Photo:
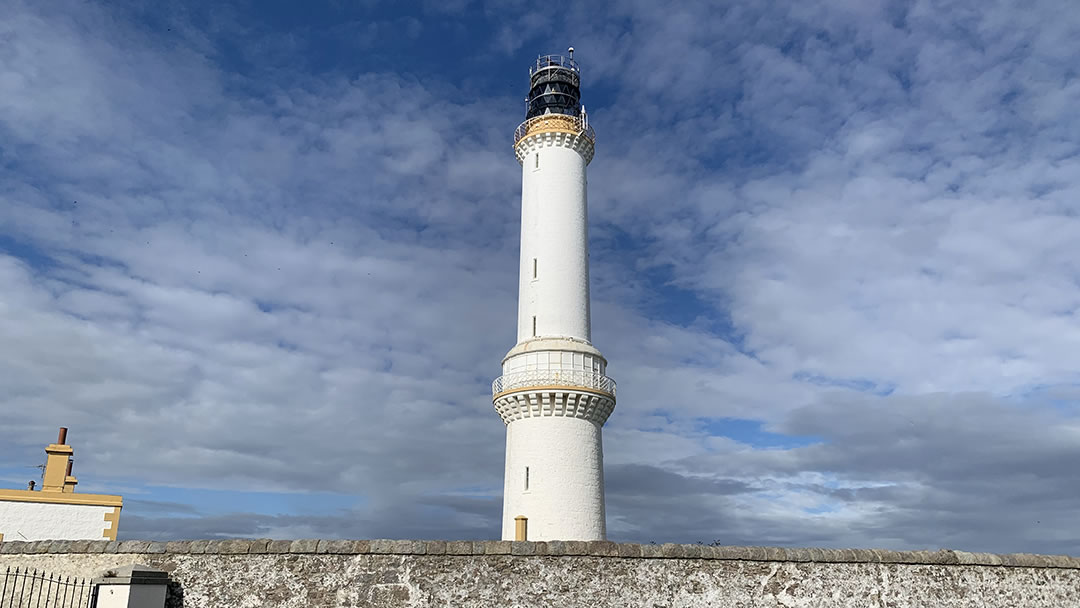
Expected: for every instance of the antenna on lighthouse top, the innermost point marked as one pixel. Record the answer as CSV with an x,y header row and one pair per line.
x,y
570,51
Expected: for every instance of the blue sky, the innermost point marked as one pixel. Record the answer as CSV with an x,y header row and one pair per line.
x,y
261,260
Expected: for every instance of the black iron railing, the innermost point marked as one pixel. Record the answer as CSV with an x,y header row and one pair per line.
x,y
554,61
25,588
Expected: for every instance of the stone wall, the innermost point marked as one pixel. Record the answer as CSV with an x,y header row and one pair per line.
x,y
391,574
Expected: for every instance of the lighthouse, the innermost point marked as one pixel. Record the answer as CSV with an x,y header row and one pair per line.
x,y
554,395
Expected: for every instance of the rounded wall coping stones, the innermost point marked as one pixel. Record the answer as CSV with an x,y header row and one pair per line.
x,y
415,547
887,556
459,547
178,546
670,550
556,547
260,545
498,547
602,548
775,554
521,547
729,552
278,546
835,555
652,551
798,555
337,547
132,546
236,546
945,557
11,546
61,546
914,557
304,545
155,547
710,552
576,547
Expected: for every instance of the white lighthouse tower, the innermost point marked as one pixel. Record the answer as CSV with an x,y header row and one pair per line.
x,y
554,395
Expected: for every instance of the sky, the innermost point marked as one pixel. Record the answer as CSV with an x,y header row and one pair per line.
x,y
261,257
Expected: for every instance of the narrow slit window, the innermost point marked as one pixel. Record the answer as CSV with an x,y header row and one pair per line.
x,y
534,326
537,161
534,268
526,478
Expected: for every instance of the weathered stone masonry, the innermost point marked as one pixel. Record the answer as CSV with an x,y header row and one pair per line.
x,y
385,573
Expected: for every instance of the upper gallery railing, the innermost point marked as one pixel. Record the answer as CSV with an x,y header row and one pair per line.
x,y
554,61
579,125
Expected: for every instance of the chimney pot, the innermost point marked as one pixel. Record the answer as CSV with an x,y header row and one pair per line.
x,y
62,439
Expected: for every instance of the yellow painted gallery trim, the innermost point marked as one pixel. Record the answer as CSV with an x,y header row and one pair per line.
x,y
62,498
553,388
114,517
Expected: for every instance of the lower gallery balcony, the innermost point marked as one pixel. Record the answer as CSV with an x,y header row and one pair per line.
x,y
546,378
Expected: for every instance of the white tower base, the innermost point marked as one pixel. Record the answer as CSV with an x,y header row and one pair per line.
x,y
551,478
554,399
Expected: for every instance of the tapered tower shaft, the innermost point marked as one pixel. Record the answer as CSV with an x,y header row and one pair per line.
x,y
554,395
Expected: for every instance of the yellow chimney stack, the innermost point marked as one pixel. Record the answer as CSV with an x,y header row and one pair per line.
x,y
58,466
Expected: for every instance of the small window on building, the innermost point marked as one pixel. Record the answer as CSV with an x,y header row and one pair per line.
x,y
537,161
526,478
534,268
534,326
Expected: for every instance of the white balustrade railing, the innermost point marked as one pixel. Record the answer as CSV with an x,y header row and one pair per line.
x,y
576,123
553,377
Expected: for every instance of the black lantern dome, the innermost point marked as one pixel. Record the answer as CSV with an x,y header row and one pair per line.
x,y
554,86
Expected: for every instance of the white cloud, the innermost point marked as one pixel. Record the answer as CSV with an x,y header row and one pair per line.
x,y
305,281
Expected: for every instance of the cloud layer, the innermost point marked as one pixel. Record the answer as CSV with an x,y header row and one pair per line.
x,y
830,254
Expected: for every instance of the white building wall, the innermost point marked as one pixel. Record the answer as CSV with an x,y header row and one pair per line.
x,y
564,499
554,237
28,521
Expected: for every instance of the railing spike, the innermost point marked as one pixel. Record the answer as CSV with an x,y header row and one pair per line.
x,y
50,590
3,591
22,588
